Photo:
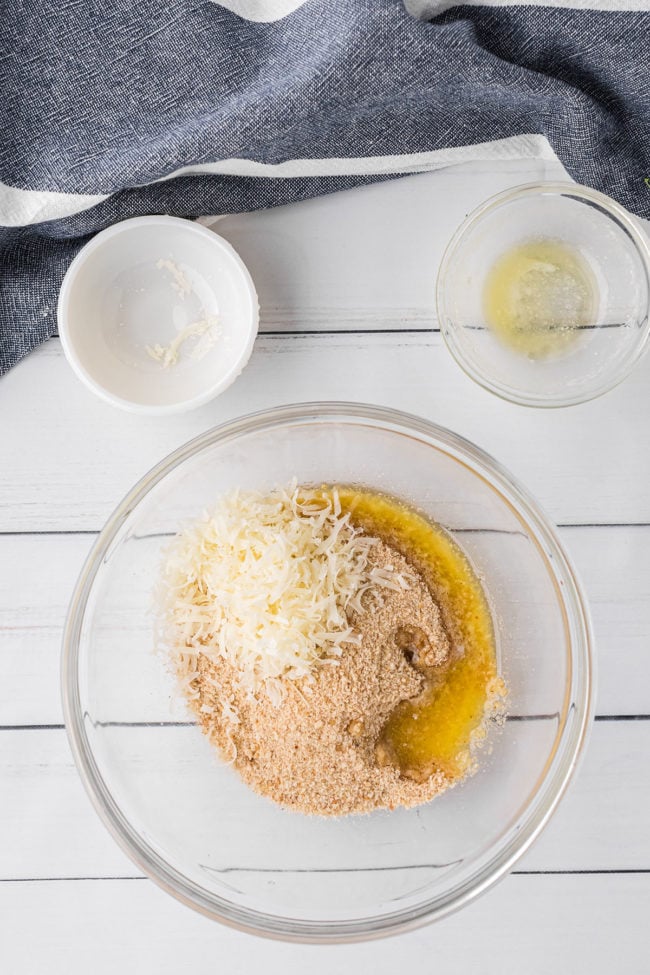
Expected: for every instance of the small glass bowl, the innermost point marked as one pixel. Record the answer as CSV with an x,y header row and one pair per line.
x,y
617,254
188,820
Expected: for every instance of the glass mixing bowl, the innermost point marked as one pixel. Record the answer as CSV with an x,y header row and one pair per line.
x,y
616,254
185,817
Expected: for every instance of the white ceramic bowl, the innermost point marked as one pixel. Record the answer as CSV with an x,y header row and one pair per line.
x,y
138,285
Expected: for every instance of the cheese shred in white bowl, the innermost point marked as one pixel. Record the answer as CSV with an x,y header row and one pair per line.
x,y
264,580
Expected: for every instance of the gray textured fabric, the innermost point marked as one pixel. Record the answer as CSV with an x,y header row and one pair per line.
x,y
105,99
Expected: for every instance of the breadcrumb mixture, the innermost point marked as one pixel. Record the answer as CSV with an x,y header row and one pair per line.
x,y
314,752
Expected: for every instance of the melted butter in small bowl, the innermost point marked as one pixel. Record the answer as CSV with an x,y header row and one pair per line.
x,y
538,295
543,294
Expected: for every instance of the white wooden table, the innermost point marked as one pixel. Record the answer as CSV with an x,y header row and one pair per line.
x,y
346,286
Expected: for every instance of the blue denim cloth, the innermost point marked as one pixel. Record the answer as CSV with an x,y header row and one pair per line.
x,y
106,98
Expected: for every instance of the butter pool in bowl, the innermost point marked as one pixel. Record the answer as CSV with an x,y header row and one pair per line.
x,y
186,816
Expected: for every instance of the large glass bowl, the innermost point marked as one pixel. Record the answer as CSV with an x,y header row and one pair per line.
x,y
188,821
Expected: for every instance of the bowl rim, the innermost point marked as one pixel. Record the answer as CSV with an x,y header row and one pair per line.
x,y
614,211
211,239
552,783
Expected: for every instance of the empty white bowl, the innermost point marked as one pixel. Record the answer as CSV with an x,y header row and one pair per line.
x,y
139,286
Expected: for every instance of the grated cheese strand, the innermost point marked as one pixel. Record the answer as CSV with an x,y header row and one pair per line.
x,y
167,355
179,282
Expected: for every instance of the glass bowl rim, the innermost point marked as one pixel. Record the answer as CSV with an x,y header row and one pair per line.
x,y
551,785
614,211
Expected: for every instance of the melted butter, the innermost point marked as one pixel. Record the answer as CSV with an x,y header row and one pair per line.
x,y
538,295
435,731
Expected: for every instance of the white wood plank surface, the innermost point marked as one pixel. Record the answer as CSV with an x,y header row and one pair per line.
x,y
575,925
89,454
346,286
373,254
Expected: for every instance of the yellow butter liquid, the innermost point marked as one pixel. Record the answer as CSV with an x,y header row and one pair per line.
x,y
434,731
538,295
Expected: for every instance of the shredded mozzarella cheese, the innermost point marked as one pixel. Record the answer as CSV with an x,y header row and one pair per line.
x,y
264,580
